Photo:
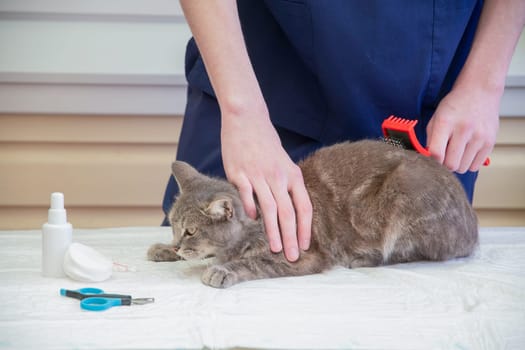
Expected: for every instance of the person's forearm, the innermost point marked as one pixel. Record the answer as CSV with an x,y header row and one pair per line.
x,y
499,29
216,28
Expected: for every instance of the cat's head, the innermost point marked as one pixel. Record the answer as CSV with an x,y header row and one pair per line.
x,y
207,215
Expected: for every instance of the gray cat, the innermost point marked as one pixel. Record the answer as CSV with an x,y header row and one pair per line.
x,y
373,204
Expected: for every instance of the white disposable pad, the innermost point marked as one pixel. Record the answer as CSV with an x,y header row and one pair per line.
x,y
472,303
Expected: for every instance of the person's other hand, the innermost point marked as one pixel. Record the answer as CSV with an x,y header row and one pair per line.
x,y
462,131
255,162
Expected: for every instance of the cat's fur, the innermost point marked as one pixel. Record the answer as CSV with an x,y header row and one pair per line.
x,y
373,204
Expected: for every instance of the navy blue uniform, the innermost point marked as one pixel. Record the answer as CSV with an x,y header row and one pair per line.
x,y
334,70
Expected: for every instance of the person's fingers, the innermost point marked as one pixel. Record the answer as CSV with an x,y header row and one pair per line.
x,y
480,159
269,214
246,194
438,136
303,209
287,223
475,153
455,150
471,150
481,156
278,183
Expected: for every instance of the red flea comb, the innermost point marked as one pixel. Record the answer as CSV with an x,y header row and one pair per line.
x,y
401,132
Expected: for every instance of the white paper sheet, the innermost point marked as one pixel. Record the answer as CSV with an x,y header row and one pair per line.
x,y
472,303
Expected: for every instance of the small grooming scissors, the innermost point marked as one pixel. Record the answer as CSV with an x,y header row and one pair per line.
x,y
94,299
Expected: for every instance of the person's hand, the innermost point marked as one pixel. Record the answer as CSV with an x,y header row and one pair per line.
x,y
255,162
462,131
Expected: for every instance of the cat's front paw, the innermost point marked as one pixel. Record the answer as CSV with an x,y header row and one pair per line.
x,y
163,252
219,277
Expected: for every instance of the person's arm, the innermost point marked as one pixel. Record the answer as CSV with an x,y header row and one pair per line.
x,y
462,132
253,157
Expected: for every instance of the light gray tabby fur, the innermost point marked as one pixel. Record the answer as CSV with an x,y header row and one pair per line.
x,y
373,204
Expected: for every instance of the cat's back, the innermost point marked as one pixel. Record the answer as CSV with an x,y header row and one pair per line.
x,y
371,166
351,163
348,164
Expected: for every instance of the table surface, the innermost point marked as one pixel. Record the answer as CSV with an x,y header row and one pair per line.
x,y
471,303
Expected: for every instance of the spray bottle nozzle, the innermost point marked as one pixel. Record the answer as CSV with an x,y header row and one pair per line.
x,y
57,214
57,200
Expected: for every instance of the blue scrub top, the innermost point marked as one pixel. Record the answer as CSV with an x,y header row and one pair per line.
x,y
334,70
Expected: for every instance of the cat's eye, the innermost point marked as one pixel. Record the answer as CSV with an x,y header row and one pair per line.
x,y
190,231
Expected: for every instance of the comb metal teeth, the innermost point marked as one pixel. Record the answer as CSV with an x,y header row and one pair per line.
x,y
393,142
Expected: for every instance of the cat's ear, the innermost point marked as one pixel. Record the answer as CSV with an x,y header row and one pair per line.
x,y
220,208
183,173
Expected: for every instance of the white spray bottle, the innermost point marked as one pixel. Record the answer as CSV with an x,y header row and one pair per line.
x,y
56,237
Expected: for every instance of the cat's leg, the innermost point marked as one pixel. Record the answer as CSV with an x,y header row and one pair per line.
x,y
252,268
220,276
371,258
364,262
163,252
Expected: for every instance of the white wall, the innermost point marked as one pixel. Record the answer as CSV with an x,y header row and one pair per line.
x,y
513,103
115,56
517,66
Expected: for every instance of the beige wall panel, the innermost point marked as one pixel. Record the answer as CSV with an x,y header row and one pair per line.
x,y
90,128
511,131
88,174
503,217
113,170
502,184
500,191
24,218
